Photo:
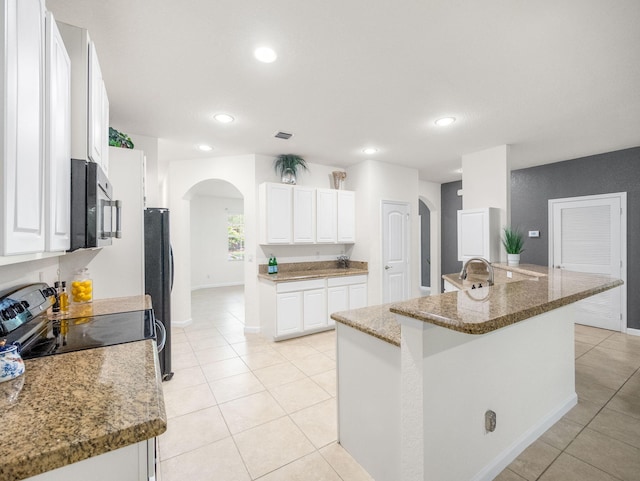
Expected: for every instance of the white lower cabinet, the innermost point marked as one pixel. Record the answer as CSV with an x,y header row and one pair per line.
x,y
289,313
290,309
135,462
315,309
345,293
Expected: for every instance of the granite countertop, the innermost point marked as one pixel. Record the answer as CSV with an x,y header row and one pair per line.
x,y
298,271
378,321
480,311
107,306
73,406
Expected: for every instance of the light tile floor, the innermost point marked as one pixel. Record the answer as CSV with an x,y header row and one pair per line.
x,y
243,408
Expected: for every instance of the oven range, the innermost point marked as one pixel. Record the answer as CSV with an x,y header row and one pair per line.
x,y
23,319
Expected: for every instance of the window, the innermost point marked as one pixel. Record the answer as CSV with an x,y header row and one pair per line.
x,y
235,231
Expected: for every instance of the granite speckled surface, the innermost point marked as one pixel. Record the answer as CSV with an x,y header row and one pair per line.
x,y
298,271
73,406
480,311
377,321
475,276
107,306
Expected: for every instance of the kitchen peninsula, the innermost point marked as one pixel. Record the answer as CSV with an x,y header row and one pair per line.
x,y
93,411
457,385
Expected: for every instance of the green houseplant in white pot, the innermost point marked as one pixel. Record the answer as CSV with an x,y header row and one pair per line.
x,y
287,165
513,242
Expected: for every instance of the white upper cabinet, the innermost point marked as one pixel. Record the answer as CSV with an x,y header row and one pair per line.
x,y
21,139
304,215
57,139
479,234
346,217
276,217
327,216
89,101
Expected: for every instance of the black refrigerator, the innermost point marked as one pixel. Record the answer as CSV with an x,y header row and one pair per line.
x,y
158,275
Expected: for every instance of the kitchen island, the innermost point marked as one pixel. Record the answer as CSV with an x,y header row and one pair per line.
x,y
97,406
477,375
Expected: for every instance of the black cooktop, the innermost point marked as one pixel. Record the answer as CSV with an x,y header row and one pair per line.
x,y
23,319
58,336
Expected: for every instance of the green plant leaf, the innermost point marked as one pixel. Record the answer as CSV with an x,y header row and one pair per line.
x,y
513,241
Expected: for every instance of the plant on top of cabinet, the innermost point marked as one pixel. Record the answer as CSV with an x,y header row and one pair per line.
x,y
513,242
287,165
119,139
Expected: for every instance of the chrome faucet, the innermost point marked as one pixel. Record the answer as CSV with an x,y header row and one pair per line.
x,y
463,272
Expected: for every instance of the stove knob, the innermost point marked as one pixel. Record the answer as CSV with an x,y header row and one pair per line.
x,y
8,313
25,304
19,308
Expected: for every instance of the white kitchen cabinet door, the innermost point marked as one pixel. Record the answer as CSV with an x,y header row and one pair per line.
x,y
315,309
357,296
479,234
105,130
326,211
346,217
337,300
22,138
304,215
276,213
97,128
57,139
289,313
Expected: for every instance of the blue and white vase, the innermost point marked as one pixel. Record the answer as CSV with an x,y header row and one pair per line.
x,y
11,363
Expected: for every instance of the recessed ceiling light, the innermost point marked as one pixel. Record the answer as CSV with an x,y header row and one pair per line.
x,y
224,118
370,150
444,121
265,54
205,148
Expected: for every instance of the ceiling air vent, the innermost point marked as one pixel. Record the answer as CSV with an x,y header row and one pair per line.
x,y
283,135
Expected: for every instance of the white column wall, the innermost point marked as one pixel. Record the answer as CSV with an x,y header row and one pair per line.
x,y
374,182
430,193
486,180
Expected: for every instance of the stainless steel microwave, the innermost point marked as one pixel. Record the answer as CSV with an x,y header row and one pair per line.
x,y
95,216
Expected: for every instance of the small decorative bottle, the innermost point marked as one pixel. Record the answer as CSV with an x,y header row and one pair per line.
x,y
63,297
270,265
275,265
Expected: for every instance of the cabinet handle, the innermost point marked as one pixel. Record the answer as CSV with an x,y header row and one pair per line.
x,y
386,268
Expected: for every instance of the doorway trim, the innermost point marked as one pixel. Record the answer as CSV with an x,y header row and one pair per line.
x,y
622,196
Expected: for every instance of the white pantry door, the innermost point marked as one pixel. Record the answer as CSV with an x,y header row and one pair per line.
x,y
588,235
395,251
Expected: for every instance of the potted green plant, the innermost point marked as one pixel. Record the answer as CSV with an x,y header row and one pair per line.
x,y
287,165
513,242
118,139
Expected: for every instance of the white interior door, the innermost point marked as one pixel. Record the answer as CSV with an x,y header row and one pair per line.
x,y
589,235
395,251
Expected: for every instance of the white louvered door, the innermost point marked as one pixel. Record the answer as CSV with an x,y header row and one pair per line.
x,y
587,237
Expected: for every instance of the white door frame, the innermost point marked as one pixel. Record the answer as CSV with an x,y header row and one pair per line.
x,y
407,247
623,242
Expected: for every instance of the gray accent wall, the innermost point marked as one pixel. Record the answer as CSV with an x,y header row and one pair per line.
x,y
425,244
451,203
597,174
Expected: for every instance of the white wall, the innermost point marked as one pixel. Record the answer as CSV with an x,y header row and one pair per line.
x,y
374,182
238,171
41,270
486,177
429,192
210,265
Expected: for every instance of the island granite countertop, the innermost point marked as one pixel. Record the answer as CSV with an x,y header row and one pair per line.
x,y
481,311
73,406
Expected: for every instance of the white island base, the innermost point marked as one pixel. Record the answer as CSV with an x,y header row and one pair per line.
x,y
417,413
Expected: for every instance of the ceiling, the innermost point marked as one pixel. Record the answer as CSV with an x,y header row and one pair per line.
x,y
555,79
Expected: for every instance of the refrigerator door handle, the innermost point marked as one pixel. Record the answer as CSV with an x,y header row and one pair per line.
x,y
172,270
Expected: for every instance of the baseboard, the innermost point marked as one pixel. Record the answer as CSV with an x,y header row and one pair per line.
x,y
500,462
185,323
632,331
221,284
251,330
